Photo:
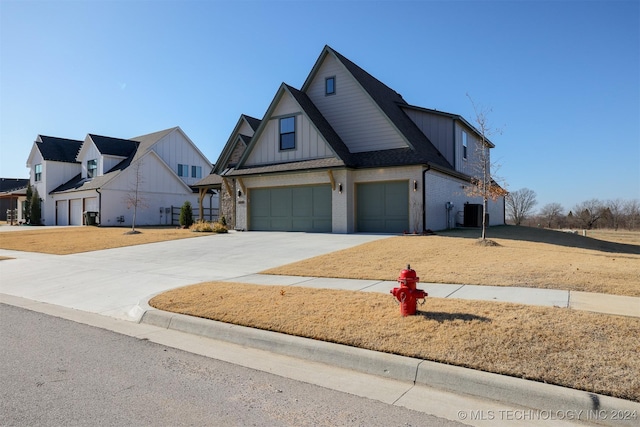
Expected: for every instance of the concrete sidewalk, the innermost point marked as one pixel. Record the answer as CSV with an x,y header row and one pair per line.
x,y
600,303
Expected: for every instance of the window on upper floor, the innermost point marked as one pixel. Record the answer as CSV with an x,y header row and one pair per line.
x,y
38,172
465,146
330,86
183,170
92,168
288,133
196,171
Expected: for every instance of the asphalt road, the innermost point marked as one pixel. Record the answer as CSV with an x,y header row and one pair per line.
x,y
58,372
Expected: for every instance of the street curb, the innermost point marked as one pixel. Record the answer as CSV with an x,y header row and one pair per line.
x,y
546,398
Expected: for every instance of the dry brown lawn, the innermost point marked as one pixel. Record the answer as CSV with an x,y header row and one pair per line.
x,y
526,257
581,350
64,241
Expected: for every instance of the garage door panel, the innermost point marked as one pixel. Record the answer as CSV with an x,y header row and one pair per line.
x,y
322,204
280,202
305,208
383,207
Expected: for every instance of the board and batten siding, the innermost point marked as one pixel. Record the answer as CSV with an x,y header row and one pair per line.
x,y
309,143
351,111
439,130
175,149
470,165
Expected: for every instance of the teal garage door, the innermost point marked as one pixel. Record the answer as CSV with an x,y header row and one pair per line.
x,y
306,208
383,207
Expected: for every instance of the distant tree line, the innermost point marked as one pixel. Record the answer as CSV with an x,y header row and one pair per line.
x,y
591,214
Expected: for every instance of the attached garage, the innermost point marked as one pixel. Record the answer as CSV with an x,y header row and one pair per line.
x,y
304,208
383,207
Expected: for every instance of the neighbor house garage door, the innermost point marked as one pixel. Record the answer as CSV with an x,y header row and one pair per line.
x,y
383,207
305,208
62,212
75,212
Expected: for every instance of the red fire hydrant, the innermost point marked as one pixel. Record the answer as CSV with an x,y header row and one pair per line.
x,y
407,293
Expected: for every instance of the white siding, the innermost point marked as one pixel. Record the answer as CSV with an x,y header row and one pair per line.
x,y
175,149
439,130
351,111
309,143
54,174
107,163
441,189
90,152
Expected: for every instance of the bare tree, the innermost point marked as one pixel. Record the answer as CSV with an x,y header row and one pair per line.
x,y
135,198
589,213
551,212
482,183
632,213
615,210
520,203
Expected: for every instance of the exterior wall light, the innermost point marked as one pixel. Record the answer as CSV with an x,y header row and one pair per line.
x,y
340,188
415,185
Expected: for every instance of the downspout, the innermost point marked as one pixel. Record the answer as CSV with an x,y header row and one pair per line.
x,y
424,199
99,206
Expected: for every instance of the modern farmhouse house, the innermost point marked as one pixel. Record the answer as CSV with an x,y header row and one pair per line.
x,y
345,153
95,180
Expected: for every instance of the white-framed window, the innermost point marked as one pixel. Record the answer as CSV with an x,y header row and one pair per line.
x,y
183,170
196,171
288,133
92,168
465,145
38,172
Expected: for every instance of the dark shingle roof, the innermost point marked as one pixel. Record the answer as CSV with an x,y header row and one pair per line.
x,y
114,146
390,102
10,184
253,122
58,149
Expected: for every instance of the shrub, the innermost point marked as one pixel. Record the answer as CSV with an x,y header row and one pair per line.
x,y
186,215
36,209
219,227
208,227
223,220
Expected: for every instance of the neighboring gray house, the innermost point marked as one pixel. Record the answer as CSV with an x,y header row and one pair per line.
x,y
345,154
99,174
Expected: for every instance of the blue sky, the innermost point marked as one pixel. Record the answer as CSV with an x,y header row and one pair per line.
x,y
562,78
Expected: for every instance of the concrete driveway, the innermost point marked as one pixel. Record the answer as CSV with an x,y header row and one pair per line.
x,y
112,282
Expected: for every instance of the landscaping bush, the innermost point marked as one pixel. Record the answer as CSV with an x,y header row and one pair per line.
x,y
208,227
186,215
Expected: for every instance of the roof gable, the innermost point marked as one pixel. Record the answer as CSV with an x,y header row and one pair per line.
x,y
237,143
292,97
390,103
